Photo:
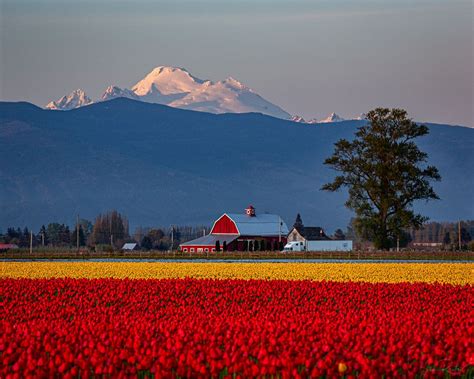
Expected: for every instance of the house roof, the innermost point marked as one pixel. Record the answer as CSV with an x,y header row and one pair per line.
x,y
312,233
129,246
263,224
4,246
210,240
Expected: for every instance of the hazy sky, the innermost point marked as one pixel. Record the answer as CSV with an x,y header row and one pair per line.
x,y
310,57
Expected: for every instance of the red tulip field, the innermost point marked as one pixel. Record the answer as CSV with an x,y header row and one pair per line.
x,y
234,328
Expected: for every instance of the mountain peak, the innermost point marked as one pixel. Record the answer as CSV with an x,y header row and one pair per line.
x,y
333,117
299,119
167,80
112,92
75,99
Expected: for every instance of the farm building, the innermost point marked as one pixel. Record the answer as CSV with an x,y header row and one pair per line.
x,y
130,246
7,246
307,233
313,238
241,232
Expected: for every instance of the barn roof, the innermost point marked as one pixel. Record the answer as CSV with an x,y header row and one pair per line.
x,y
210,240
312,233
263,224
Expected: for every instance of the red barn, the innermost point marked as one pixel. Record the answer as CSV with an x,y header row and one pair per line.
x,y
241,232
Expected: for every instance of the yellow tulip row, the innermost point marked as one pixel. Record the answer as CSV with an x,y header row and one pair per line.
x,y
453,273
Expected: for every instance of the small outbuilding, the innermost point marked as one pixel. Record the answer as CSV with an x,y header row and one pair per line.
x,y
131,246
7,246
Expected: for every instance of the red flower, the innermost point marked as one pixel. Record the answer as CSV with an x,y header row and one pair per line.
x,y
201,328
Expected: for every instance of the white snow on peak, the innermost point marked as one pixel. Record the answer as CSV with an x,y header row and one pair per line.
x,y
333,117
362,116
176,87
113,92
75,99
313,121
297,118
167,81
234,83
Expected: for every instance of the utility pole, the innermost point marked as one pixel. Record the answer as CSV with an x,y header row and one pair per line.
x,y
398,243
111,235
77,233
279,230
31,242
459,234
172,237
42,238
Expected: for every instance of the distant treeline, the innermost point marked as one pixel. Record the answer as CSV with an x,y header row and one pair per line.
x,y
444,232
108,232
111,230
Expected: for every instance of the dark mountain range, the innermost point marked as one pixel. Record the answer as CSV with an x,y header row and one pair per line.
x,y
160,165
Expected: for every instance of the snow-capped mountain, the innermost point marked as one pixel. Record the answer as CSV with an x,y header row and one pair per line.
x,y
333,117
176,87
112,92
297,118
362,116
75,99
301,120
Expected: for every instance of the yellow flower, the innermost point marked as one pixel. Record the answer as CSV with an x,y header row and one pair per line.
x,y
342,367
452,273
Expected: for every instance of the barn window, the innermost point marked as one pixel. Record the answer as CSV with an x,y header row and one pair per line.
x,y
206,250
185,249
199,250
213,249
191,250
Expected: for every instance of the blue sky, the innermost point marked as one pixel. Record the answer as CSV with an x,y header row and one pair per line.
x,y
310,57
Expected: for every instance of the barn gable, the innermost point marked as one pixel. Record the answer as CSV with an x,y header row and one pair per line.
x,y
225,225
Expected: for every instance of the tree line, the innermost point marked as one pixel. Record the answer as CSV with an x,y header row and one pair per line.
x,y
109,231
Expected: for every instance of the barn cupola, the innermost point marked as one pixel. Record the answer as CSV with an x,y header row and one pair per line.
x,y
250,211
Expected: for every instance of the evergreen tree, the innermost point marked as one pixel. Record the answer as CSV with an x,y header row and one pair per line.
x,y
43,236
447,238
12,234
54,231
385,173
298,222
25,238
224,246
82,237
218,246
339,235
146,243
